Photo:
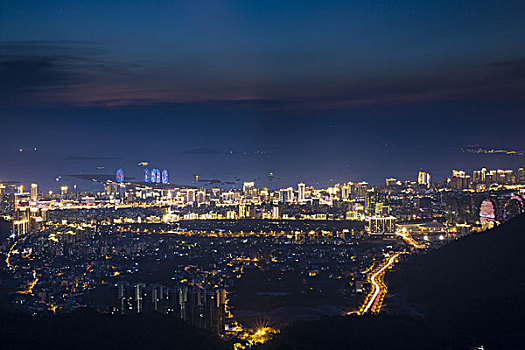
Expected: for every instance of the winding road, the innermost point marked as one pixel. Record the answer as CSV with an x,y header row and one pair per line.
x,y
375,301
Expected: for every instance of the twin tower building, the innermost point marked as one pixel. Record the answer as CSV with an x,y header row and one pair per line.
x,y
150,176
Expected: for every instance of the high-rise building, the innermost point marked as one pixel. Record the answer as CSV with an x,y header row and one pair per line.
x,y
423,178
157,298
183,300
120,175
459,183
382,224
242,211
63,191
20,227
138,289
248,189
483,174
391,182
165,176
123,302
34,192
214,310
301,192
283,196
194,312
458,173
276,212
290,194
345,192
191,195
521,176
200,197
201,307
476,176
155,176
361,190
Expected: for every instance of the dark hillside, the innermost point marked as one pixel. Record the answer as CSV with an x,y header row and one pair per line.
x,y
91,330
466,294
474,286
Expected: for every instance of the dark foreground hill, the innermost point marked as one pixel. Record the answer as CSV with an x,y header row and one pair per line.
x,y
91,330
364,333
469,293
474,286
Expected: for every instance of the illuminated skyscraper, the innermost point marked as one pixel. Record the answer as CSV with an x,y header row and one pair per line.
x,y
155,176
191,195
247,188
391,182
34,192
120,175
361,189
139,293
63,191
521,176
423,178
147,175
458,173
290,194
200,197
301,192
345,192
276,212
165,176
483,174
382,224
283,195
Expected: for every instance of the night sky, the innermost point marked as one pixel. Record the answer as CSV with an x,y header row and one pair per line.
x,y
312,91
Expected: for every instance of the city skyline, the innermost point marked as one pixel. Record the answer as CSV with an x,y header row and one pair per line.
x,y
94,181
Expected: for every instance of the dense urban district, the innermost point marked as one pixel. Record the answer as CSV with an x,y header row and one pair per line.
x,y
239,263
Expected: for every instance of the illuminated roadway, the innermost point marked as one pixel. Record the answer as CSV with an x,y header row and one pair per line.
x,y
406,237
10,252
378,288
32,284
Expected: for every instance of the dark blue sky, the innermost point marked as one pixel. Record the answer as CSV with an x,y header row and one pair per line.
x,y
328,90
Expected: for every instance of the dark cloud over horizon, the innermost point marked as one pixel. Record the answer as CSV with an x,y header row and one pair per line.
x,y
44,73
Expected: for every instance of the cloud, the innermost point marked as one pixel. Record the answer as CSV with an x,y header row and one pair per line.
x,y
36,71
19,74
497,82
78,74
514,68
